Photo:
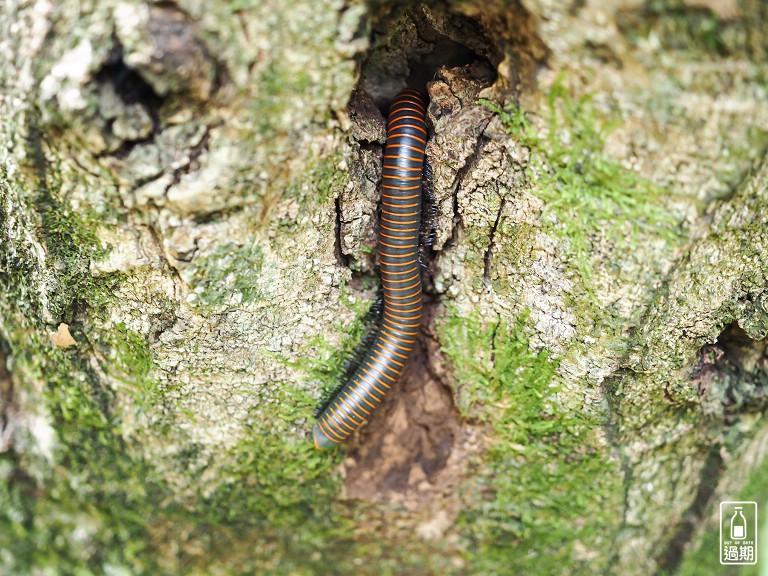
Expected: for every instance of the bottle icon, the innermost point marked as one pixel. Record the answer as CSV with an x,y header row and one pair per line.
x,y
738,525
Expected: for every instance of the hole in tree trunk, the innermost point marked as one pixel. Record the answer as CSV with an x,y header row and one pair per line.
x,y
416,448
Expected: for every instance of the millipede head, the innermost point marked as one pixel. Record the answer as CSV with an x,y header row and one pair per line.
x,y
322,442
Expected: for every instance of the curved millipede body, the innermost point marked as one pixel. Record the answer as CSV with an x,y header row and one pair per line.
x,y
400,274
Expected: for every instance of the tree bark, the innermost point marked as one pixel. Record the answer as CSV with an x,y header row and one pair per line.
x,y
188,217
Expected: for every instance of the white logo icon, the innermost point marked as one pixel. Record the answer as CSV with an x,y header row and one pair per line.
x,y
738,525
738,533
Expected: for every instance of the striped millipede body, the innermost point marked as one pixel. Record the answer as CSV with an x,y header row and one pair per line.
x,y
398,250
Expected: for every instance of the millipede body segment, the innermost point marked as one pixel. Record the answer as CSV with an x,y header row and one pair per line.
x,y
398,250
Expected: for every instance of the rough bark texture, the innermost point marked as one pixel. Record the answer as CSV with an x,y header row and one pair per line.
x,y
188,201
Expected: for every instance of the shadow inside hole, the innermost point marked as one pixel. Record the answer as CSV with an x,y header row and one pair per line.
x,y
416,45
407,447
128,85
747,356
732,373
134,92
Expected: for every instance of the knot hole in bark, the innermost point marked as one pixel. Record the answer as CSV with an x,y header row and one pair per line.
x,y
732,374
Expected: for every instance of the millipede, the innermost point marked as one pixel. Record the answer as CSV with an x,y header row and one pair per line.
x,y
398,252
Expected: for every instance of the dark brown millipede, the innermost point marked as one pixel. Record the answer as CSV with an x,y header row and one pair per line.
x,y
398,249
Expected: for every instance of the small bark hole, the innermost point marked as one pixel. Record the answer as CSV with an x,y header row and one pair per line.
x,y
129,107
128,84
732,373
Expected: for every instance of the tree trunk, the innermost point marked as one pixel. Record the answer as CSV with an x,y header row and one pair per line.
x,y
188,217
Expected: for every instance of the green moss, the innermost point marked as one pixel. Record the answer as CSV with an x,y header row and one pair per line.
x,y
88,511
279,84
588,194
68,235
509,246
228,270
276,512
71,243
328,364
322,181
682,26
279,482
100,509
130,361
83,511
675,26
547,487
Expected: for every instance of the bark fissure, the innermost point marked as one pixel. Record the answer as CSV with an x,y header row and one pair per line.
x,y
461,174
489,251
493,341
614,559
195,152
7,406
132,89
670,558
341,258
